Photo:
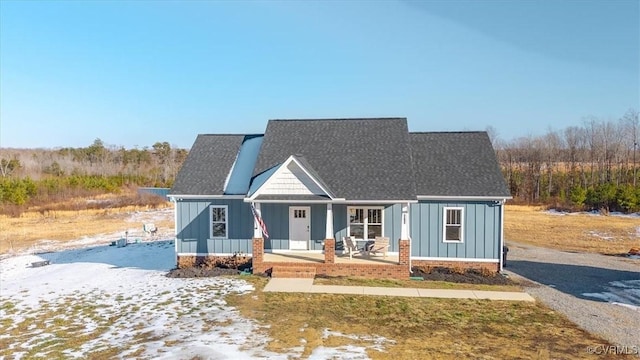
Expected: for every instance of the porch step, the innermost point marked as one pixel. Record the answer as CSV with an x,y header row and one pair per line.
x,y
300,272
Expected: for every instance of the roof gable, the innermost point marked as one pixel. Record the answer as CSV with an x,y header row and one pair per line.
x,y
358,159
206,168
293,177
456,164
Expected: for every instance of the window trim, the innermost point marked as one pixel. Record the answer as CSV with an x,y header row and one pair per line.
x,y
365,223
226,221
444,224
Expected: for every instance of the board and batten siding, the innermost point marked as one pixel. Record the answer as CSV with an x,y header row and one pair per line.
x,y
481,229
193,227
276,218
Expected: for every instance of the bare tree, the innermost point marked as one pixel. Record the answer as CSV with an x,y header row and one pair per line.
x,y
632,127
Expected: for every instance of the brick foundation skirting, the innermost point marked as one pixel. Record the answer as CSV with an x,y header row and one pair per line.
x,y
493,267
373,271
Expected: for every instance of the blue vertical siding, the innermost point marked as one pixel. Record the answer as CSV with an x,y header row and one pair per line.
x,y
339,223
481,230
276,217
481,227
193,228
318,226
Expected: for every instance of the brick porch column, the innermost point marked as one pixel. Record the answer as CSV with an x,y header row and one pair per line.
x,y
258,253
329,251
403,255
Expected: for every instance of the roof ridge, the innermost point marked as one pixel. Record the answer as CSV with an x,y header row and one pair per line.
x,y
343,119
449,132
254,134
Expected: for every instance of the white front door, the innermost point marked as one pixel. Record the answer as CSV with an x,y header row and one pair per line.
x,y
299,227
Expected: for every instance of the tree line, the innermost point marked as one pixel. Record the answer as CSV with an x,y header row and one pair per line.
x,y
35,176
591,166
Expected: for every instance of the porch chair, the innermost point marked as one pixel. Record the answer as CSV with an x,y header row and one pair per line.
x,y
380,246
350,246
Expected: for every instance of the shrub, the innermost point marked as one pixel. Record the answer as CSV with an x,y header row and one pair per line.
x,y
578,195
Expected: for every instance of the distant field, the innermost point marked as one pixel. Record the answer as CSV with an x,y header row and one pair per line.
x,y
574,232
526,224
28,230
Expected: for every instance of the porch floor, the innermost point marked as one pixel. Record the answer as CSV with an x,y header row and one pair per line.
x,y
307,257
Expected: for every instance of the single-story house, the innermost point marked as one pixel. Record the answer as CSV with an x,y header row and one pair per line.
x,y
304,185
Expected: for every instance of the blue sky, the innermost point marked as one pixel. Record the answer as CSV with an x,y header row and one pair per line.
x,y
135,72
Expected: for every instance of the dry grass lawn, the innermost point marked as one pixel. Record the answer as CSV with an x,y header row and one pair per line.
x,y
573,232
356,281
62,225
415,328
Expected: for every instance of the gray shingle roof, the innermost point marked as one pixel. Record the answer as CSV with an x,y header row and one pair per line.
x,y
456,164
207,166
358,159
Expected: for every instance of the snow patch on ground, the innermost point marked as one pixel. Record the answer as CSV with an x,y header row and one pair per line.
x,y
556,212
132,234
591,213
119,300
601,236
623,293
349,351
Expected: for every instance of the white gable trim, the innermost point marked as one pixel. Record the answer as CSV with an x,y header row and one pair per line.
x,y
281,169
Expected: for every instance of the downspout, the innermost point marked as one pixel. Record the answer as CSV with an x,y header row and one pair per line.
x,y
175,225
409,235
410,267
501,252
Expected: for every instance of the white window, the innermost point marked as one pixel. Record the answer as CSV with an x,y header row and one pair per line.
x,y
453,229
365,220
219,224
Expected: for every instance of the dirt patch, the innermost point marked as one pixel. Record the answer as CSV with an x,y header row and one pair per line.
x,y
195,272
469,276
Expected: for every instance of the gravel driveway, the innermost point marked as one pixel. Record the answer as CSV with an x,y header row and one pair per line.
x,y
599,293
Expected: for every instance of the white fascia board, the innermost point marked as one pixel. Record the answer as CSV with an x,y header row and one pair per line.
x,y
288,201
334,201
355,202
259,190
462,198
431,258
205,197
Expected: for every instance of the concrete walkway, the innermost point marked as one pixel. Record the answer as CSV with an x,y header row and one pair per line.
x,y
307,286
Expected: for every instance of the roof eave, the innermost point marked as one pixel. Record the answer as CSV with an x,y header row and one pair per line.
x,y
464,197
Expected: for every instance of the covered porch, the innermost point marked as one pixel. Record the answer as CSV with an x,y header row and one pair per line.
x,y
307,264
304,220
317,257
